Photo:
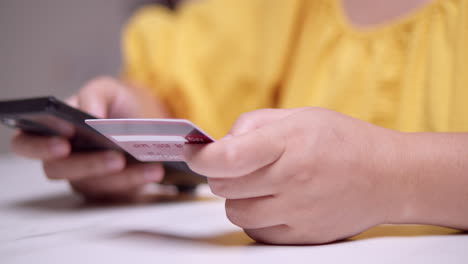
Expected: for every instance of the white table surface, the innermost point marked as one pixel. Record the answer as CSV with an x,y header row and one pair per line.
x,y
43,222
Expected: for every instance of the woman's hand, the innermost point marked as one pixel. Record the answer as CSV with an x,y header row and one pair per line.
x,y
302,176
99,175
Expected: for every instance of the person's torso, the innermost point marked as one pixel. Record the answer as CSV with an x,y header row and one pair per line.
x,y
409,74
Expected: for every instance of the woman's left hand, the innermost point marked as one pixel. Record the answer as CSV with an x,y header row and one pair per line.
x,y
302,176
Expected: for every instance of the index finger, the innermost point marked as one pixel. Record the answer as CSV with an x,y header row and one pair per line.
x,y
39,147
236,155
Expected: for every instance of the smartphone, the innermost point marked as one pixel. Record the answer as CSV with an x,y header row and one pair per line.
x,y
41,116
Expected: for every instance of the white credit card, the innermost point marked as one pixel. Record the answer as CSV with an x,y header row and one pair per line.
x,y
151,139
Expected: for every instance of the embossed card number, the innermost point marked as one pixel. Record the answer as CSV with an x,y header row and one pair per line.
x,y
151,140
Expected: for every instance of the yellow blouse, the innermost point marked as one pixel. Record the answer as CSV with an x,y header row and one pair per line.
x,y
214,59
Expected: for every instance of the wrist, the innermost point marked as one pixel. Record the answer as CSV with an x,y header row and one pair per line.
x,y
396,186
426,176
423,178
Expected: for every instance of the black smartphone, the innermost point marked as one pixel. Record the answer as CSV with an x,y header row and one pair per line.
x,y
41,115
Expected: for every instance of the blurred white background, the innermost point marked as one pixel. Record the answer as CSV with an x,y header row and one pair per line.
x,y
52,47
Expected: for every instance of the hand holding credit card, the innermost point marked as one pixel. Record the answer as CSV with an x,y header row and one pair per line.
x,y
150,140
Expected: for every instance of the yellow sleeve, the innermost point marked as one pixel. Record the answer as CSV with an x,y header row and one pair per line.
x,y
213,59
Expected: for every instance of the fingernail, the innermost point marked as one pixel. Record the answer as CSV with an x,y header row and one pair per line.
x,y
152,173
113,161
57,147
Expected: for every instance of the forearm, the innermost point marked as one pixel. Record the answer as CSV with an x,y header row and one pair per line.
x,y
431,175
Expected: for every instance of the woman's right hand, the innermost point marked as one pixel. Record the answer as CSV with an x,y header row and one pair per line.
x,y
97,175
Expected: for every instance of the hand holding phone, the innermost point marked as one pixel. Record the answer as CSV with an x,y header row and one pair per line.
x,y
99,172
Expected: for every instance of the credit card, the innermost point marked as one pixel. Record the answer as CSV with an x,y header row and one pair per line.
x,y
150,140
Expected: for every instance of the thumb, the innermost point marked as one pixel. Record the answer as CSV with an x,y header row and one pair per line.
x,y
253,142
97,96
237,155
